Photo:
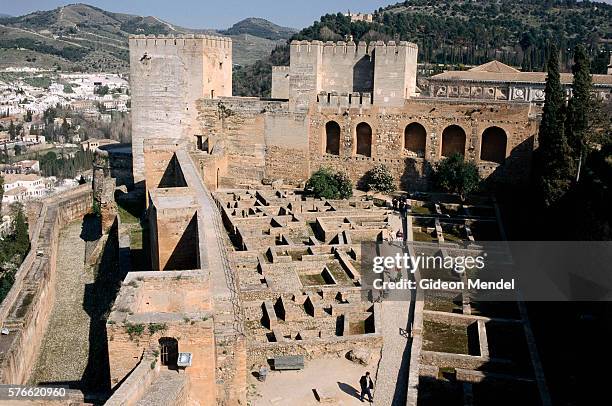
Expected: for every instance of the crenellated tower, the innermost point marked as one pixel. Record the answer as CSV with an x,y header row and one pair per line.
x,y
387,71
167,75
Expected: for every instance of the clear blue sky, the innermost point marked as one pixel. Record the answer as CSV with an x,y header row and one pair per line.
x,y
211,13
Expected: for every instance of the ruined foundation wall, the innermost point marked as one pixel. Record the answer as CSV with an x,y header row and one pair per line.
x,y
26,309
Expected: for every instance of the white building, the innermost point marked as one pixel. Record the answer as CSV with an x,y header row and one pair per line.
x,y
18,187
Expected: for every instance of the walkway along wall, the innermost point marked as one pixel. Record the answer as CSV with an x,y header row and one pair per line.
x,y
25,311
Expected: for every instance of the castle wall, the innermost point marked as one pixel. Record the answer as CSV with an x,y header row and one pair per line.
x,y
294,144
394,72
25,310
167,76
409,170
280,82
346,68
305,73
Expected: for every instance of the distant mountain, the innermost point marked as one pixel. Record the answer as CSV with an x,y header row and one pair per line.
x,y
83,37
5,15
260,27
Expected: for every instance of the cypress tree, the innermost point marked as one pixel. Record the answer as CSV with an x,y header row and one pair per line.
x,y
21,235
580,107
555,160
1,191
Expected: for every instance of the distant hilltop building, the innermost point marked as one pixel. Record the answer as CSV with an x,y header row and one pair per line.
x,y
368,18
497,81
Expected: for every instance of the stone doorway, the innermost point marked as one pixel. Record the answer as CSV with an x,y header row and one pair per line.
x,y
169,352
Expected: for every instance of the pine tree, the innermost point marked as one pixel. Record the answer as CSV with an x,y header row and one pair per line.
x,y
555,158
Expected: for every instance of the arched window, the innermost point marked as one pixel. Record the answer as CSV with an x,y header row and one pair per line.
x,y
364,139
493,145
453,141
415,138
332,138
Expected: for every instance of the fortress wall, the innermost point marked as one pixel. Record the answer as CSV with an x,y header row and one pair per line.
x,y
26,309
280,82
247,129
305,73
167,76
346,68
394,72
388,125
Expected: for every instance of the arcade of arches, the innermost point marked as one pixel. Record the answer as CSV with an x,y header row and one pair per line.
x,y
492,148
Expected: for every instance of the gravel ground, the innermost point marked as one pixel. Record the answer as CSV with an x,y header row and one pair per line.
x,y
65,349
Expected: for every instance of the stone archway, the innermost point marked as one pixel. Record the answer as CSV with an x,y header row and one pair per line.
x,y
493,145
415,138
453,141
332,138
364,139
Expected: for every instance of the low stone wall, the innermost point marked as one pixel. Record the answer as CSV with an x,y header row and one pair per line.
x,y
258,354
26,309
137,383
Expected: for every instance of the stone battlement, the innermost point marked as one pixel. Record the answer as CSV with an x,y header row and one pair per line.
x,y
211,41
350,47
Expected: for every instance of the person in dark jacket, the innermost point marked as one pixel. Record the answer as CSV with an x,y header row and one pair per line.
x,y
366,387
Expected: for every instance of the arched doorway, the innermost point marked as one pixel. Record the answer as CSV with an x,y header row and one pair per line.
x,y
364,139
332,138
453,141
415,138
169,351
493,145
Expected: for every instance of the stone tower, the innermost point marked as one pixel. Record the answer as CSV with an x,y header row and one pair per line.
x,y
167,76
383,73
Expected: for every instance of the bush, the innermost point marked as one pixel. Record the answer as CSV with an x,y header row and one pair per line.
x,y
379,179
455,175
328,184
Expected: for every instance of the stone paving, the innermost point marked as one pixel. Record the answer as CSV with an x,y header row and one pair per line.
x,y
65,350
392,376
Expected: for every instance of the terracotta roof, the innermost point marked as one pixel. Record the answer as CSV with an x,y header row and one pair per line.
x,y
498,72
15,177
16,191
494,67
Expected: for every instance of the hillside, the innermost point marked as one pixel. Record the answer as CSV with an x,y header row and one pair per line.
x,y
259,27
469,32
83,37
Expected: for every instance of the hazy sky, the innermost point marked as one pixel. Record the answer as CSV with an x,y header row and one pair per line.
x,y
211,13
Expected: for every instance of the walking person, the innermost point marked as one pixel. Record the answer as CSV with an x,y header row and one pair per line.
x,y
366,387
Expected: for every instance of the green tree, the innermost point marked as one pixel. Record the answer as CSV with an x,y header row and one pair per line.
x,y
28,116
21,235
328,184
12,131
455,175
1,191
554,161
379,179
584,120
